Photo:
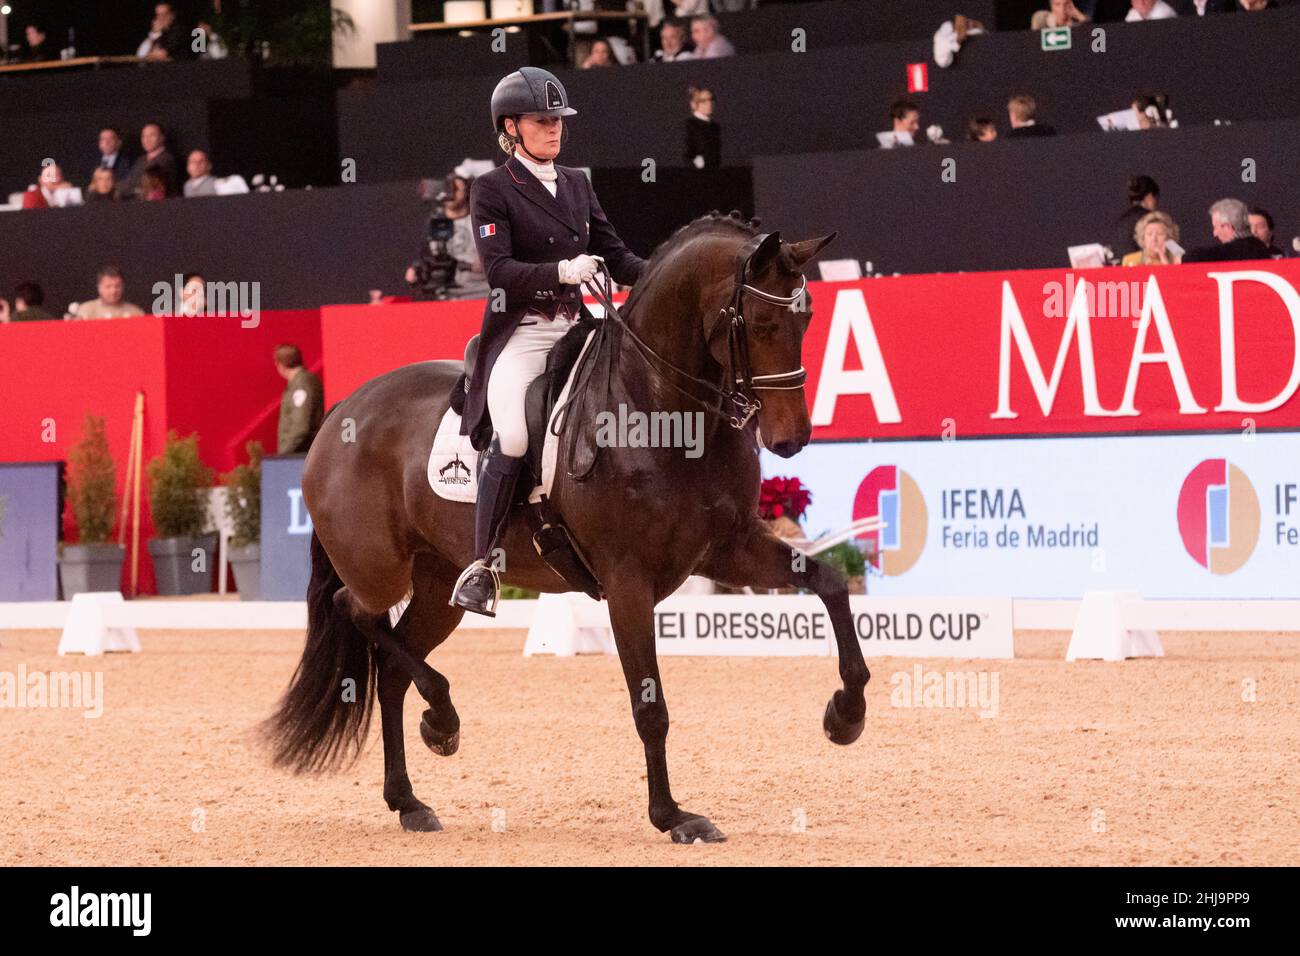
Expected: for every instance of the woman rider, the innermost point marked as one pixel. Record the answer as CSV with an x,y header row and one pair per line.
x,y
540,232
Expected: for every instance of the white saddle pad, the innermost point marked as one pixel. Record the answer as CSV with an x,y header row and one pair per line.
x,y
453,462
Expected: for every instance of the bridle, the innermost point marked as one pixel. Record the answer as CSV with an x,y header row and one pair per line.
x,y
738,400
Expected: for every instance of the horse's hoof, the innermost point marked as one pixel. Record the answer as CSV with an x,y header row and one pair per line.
x,y
838,730
420,821
441,743
697,830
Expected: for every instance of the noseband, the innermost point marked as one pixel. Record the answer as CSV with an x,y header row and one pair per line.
x,y
738,399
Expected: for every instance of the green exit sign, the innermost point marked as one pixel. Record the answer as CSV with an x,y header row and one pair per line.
x,y
1056,38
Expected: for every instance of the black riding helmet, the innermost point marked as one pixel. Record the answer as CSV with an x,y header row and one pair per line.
x,y
527,90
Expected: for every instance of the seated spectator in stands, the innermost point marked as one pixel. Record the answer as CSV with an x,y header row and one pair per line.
x,y
1021,112
51,190
1062,14
1152,232
110,304
102,188
703,135
1230,222
1199,8
1261,227
212,47
201,181
602,54
166,41
905,119
28,297
154,143
709,43
194,295
1150,10
302,404
1253,5
111,155
1143,197
672,43
981,130
37,50
153,186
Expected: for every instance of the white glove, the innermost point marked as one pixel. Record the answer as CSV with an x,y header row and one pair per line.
x,y
578,270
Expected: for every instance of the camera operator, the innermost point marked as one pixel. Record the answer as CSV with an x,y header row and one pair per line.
x,y
448,266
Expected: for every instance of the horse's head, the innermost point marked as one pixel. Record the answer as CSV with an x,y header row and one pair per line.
x,y
774,337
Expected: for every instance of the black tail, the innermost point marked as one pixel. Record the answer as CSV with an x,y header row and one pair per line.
x,y
322,720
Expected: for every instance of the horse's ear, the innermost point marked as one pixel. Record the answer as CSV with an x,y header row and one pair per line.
x,y
802,252
767,250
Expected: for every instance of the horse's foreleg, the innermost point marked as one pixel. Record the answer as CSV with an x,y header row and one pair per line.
x,y
632,618
398,794
765,561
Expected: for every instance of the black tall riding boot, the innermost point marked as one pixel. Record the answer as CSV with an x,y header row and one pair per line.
x,y
477,588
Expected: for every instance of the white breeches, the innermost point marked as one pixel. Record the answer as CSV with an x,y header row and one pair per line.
x,y
521,361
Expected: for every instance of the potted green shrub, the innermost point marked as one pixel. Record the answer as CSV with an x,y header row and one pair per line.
x,y
94,562
244,511
183,555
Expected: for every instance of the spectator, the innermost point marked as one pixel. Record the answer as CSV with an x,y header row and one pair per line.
x,y
709,43
1261,227
201,181
194,296
111,156
1152,233
302,405
28,297
212,47
166,41
601,54
153,186
102,188
905,117
672,43
51,190
981,130
110,304
1062,14
1150,10
1143,197
1230,222
1022,110
37,51
703,135
154,143
1199,8
1253,5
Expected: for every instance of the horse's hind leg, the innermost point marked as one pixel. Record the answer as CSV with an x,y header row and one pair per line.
x,y
400,654
631,613
766,561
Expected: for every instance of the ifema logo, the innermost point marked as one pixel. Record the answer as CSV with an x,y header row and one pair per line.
x,y
1218,516
892,495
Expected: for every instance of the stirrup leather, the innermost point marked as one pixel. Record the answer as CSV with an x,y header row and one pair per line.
x,y
496,584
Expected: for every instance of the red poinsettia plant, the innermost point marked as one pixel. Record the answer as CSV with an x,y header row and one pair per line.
x,y
783,498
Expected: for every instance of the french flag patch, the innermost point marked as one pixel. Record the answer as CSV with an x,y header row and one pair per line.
x,y
488,230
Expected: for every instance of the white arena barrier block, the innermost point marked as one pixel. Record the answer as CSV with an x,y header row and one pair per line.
x,y
1100,632
92,629
568,624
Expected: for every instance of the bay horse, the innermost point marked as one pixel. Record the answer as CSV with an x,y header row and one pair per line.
x,y
646,518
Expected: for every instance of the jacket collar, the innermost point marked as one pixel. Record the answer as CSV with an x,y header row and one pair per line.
x,y
532,188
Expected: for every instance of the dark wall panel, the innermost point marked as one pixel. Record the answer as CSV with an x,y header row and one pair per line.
x,y
1019,204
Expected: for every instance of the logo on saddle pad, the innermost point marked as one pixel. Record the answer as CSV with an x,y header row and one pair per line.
x,y
455,472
